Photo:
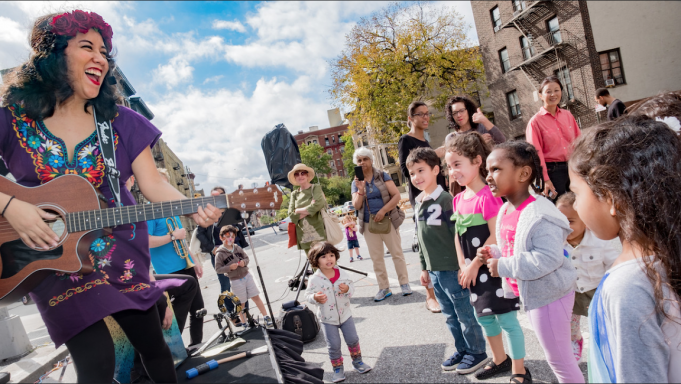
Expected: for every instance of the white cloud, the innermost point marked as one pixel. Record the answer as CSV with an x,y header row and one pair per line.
x,y
175,72
218,133
213,79
231,25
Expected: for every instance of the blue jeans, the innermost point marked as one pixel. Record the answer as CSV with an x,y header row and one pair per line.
x,y
457,308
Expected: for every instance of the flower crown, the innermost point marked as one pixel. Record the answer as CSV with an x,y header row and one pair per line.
x,y
70,23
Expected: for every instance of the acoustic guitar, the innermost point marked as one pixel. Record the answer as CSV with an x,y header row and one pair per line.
x,y
82,217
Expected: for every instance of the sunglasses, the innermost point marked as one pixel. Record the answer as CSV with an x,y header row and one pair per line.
x,y
298,173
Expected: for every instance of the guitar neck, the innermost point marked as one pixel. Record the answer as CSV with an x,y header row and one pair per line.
x,y
111,217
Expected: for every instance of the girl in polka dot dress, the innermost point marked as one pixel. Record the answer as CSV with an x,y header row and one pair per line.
x,y
475,213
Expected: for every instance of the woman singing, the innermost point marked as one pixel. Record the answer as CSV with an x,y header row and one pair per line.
x,y
47,130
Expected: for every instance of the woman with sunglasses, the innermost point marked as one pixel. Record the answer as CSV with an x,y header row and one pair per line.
x,y
305,207
463,116
418,118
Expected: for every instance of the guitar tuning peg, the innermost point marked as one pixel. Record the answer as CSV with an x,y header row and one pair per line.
x,y
269,189
255,191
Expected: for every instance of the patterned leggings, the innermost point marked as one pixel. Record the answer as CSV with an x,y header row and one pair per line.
x,y
575,329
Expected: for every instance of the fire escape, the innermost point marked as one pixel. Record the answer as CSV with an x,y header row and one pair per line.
x,y
559,49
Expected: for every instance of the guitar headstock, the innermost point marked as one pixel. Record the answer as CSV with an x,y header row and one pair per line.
x,y
267,197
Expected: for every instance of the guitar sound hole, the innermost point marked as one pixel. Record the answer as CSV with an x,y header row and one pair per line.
x,y
57,225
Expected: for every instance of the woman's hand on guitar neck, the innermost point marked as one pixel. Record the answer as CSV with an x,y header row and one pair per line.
x,y
27,220
206,217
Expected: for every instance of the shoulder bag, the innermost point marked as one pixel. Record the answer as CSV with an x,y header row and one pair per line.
x,y
334,232
380,228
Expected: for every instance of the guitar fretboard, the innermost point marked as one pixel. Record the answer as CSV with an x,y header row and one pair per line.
x,y
111,217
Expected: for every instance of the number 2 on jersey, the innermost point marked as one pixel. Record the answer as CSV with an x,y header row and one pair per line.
x,y
434,212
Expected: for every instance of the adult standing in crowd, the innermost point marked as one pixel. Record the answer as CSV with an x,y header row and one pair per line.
x,y
615,106
464,115
552,131
377,195
49,102
305,206
418,118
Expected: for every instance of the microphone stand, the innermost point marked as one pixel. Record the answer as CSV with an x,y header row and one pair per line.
x,y
262,281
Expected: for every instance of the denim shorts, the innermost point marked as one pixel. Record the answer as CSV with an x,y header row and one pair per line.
x,y
353,244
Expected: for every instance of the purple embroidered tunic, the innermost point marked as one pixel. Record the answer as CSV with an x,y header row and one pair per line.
x,y
69,303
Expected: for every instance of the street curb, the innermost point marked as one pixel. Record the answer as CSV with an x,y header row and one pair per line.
x,y
29,369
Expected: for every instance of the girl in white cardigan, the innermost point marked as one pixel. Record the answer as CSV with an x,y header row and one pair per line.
x,y
331,289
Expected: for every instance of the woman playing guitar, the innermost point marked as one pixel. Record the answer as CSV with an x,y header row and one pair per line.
x,y
47,130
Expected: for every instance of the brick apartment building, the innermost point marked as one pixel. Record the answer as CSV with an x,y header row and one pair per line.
x,y
329,139
587,44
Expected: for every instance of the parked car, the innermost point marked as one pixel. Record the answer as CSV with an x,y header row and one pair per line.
x,y
283,225
348,207
251,231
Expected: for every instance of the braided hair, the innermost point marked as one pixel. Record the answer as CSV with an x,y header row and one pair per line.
x,y
523,154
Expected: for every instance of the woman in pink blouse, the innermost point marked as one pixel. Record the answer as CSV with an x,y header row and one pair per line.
x,y
552,131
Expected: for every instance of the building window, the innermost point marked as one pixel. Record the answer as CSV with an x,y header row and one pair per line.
x,y
513,104
340,139
395,178
326,140
330,152
505,62
527,48
309,143
496,18
554,31
332,164
564,75
611,66
340,173
342,149
314,141
333,139
518,6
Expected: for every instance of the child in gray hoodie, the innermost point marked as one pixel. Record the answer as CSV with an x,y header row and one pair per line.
x,y
529,254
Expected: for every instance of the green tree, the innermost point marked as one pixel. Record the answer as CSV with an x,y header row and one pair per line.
x,y
338,190
349,150
313,156
282,213
399,54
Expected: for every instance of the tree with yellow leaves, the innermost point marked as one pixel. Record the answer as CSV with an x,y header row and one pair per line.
x,y
400,54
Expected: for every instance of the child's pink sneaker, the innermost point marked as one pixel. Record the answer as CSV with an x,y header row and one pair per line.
x,y
577,348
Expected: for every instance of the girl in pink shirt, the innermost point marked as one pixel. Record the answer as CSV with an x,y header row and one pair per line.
x,y
552,131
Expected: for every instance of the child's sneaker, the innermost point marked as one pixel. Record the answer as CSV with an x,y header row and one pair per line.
x,y
382,294
451,363
577,349
471,363
338,374
359,257
351,260
360,366
268,322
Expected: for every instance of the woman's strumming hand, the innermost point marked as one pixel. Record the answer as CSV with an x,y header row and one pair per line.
x,y
28,221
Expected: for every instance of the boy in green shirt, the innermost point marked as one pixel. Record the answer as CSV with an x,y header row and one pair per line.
x,y
439,263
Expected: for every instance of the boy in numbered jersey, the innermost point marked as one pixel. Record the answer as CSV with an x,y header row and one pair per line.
x,y
439,262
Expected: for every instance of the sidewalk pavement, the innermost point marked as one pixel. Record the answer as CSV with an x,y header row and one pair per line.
x,y
43,355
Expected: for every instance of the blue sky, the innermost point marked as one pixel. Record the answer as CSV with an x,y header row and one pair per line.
x,y
219,75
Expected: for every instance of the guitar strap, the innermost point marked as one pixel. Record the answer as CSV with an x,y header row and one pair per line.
x,y
106,146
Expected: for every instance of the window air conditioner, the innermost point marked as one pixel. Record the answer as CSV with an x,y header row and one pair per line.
x,y
610,82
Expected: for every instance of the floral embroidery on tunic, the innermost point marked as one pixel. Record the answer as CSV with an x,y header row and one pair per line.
x,y
136,287
49,152
310,234
129,271
101,251
72,291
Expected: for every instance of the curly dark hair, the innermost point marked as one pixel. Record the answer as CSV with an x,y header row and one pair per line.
x,y
664,104
320,249
229,229
39,84
470,105
636,162
471,145
523,154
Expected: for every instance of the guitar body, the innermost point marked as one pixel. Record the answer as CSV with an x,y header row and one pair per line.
x,y
22,268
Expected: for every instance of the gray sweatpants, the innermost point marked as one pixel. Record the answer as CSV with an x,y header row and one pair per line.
x,y
333,341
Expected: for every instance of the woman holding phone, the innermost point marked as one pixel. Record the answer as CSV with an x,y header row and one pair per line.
x,y
419,118
374,194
